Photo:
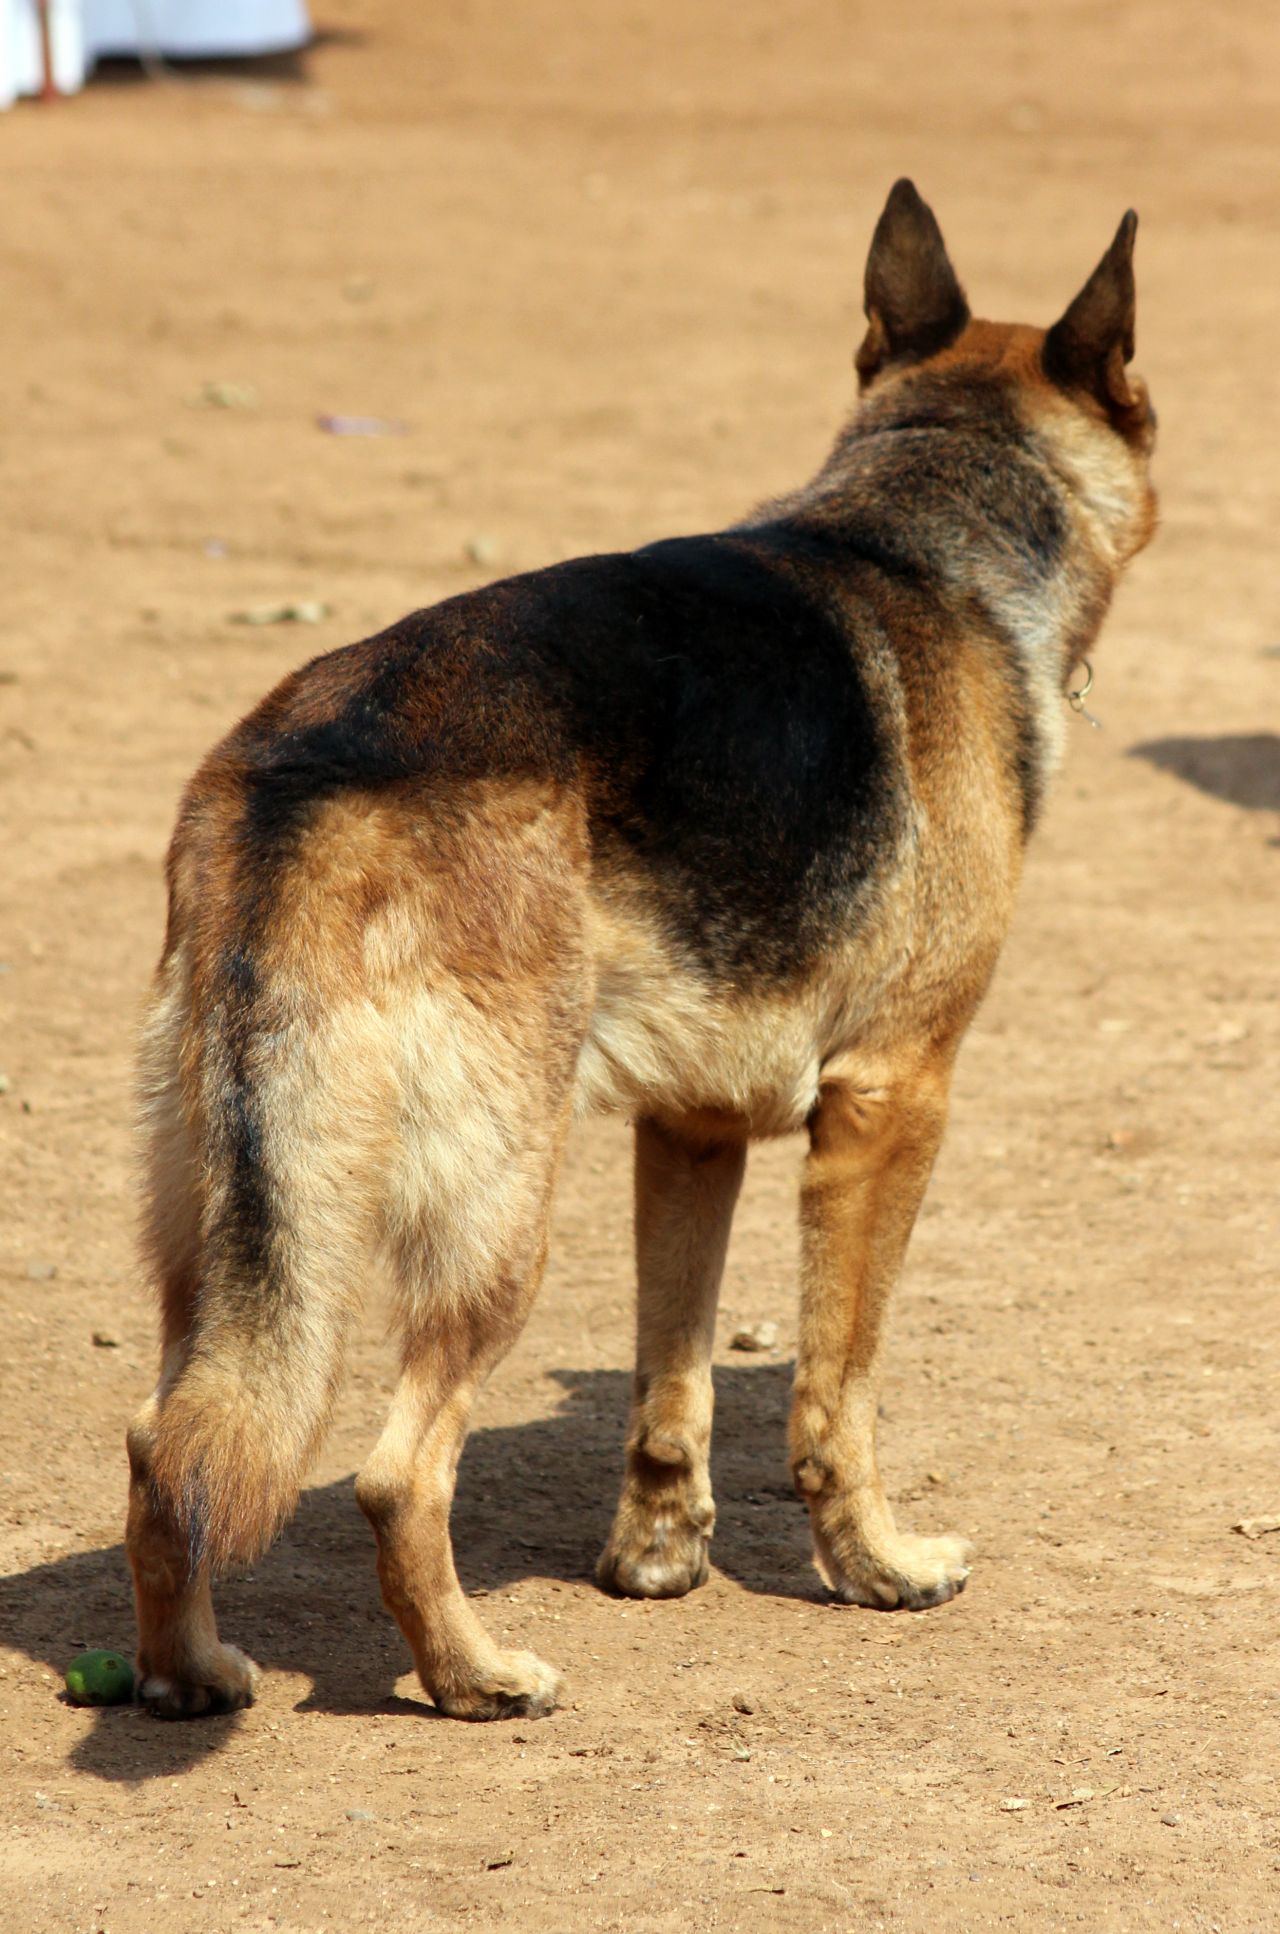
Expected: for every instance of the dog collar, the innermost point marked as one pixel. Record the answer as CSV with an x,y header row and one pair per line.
x,y
1076,699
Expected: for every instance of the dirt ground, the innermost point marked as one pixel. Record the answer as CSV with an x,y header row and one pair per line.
x,y
605,265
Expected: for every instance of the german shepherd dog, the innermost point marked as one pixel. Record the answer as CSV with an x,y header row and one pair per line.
x,y
724,832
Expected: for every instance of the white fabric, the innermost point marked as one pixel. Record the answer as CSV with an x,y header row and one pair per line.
x,y
80,31
194,27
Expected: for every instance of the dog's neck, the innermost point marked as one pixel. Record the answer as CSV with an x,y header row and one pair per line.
x,y
1019,534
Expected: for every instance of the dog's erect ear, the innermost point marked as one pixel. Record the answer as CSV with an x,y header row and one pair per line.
x,y
914,304
1089,348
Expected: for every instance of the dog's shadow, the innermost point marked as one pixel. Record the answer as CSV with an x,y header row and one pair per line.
x,y
533,1500
1241,767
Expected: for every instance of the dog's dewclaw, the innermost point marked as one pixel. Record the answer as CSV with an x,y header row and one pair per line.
x,y
100,1679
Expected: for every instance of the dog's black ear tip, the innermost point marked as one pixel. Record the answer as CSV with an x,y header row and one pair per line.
x,y
1127,230
904,194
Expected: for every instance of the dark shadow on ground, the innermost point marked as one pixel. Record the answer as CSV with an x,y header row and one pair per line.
x,y
533,1500
287,69
1242,768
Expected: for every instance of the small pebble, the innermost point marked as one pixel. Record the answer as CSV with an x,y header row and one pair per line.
x,y
1171,1819
41,1272
481,550
358,1813
226,396
300,611
104,1340
741,1703
362,425
755,1336
1256,1527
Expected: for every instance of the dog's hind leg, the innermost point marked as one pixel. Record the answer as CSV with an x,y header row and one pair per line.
x,y
686,1189
468,1240
184,1669
871,1153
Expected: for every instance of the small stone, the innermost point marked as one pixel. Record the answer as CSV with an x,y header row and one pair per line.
x,y
358,1813
754,1336
1171,1819
1225,1035
345,425
226,396
41,1272
481,549
5,1084
497,1860
299,611
1256,1527
742,1704
104,1340
1014,1805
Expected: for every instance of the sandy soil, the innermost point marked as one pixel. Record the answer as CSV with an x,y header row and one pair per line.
x,y
608,275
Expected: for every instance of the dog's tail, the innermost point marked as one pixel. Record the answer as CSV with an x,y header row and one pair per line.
x,y
266,1124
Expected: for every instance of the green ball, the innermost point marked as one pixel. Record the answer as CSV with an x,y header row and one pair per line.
x,y
100,1679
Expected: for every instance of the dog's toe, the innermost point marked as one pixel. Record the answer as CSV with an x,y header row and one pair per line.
x,y
521,1687
910,1574
224,1684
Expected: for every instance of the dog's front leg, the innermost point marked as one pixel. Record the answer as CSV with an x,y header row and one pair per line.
x,y
686,1189
871,1153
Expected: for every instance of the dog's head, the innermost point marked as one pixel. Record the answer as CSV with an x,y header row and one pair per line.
x,y
1071,384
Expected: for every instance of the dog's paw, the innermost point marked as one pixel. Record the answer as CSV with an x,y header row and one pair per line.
x,y
518,1685
665,1561
223,1682
907,1573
